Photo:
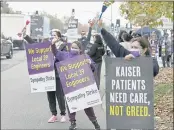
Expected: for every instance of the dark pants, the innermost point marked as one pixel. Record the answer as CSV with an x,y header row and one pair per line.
x,y
60,97
89,112
166,59
97,74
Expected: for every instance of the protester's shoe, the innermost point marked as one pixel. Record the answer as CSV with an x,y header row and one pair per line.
x,y
96,125
63,119
73,126
52,119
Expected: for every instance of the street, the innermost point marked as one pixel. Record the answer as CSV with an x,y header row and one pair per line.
x,y
22,110
18,57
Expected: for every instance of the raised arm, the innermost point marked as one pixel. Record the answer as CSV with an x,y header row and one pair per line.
x,y
26,37
29,39
112,43
91,24
116,48
89,34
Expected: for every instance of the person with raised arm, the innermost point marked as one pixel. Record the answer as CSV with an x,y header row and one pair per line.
x,y
139,47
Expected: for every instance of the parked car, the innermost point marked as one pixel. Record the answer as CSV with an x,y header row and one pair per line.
x,y
7,48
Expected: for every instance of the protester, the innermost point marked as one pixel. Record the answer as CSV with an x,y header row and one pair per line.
x,y
126,41
86,40
154,45
60,45
166,51
76,49
96,52
139,47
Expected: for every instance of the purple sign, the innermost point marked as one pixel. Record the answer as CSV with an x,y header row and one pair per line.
x,y
39,58
75,73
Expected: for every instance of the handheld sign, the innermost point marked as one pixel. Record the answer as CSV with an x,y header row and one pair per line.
x,y
40,67
78,83
129,94
106,4
26,23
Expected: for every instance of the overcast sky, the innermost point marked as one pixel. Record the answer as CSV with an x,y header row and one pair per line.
x,y
83,10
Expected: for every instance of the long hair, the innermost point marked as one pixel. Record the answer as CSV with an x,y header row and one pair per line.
x,y
58,33
127,37
79,45
120,35
144,43
98,39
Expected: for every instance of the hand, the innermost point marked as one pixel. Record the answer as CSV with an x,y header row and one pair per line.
x,y
91,23
54,40
100,22
19,34
89,61
129,57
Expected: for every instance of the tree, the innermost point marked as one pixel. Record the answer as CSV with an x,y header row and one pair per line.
x,y
5,9
147,13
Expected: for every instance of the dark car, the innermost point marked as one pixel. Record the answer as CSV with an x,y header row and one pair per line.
x,y
7,48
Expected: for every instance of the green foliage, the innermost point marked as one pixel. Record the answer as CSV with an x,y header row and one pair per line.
x,y
147,13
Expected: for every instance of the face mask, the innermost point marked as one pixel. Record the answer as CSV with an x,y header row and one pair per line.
x,y
75,51
135,53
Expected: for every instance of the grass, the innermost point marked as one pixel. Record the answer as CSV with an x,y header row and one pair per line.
x,y
161,90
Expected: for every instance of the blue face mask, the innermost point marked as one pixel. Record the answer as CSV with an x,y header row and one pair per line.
x,y
135,53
